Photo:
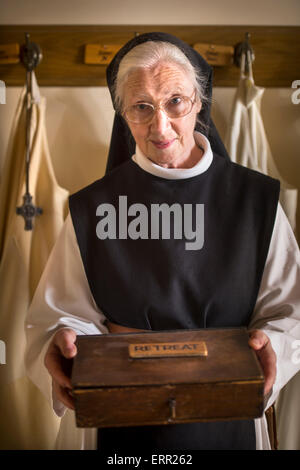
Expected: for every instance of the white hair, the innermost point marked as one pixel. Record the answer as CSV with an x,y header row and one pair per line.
x,y
148,55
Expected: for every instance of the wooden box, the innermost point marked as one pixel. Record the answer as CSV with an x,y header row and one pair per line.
x,y
147,378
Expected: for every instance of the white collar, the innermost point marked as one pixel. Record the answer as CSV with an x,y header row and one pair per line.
x,y
177,173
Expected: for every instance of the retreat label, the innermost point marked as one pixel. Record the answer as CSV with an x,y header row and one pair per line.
x,y
175,349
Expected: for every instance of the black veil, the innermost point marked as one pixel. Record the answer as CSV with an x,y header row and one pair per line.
x,y
122,145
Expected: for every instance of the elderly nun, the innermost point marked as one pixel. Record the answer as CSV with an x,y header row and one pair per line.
x,y
226,258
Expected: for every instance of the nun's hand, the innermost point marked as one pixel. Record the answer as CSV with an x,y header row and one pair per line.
x,y
261,344
58,361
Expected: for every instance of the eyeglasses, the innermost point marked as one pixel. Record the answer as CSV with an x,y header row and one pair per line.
x,y
175,107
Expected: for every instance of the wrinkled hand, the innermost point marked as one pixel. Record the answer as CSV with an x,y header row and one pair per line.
x,y
58,362
261,344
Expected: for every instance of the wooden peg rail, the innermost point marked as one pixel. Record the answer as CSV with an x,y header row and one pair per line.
x,y
77,55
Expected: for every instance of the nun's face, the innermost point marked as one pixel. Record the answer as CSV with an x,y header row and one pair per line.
x,y
167,141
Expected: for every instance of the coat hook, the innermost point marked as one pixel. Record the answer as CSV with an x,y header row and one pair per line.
x,y
244,48
30,54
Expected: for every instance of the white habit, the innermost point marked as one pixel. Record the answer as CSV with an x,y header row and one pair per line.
x,y
63,299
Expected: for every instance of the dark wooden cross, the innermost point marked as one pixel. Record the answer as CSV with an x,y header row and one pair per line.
x,y
28,210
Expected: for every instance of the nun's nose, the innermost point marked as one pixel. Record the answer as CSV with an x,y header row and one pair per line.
x,y
160,121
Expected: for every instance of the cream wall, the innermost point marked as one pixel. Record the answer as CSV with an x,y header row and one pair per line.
x,y
79,119
238,12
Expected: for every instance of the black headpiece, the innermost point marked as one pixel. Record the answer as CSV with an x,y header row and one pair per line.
x,y
122,144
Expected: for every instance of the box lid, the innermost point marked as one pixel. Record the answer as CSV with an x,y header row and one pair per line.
x,y
105,361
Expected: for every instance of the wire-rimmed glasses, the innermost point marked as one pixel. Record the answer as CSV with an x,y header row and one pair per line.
x,y
175,107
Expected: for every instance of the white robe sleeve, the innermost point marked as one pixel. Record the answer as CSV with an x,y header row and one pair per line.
x,y
277,309
62,299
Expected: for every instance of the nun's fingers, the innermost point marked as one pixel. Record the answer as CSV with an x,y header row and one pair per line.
x,y
64,395
261,344
58,358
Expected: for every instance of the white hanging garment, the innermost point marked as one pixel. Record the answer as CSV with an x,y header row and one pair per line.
x,y
246,140
27,421
247,144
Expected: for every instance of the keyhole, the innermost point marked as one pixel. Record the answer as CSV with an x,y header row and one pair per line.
x,y
172,405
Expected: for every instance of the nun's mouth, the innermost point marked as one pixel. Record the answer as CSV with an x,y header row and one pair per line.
x,y
163,144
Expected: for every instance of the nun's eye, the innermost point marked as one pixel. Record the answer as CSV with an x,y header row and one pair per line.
x,y
178,106
139,112
175,101
142,107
